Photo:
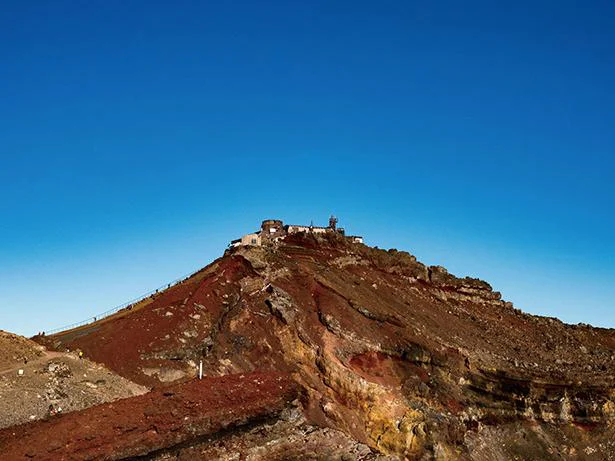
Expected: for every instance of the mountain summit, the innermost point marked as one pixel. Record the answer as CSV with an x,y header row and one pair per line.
x,y
407,359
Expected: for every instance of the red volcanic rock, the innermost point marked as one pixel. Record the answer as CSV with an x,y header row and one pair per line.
x,y
160,419
411,360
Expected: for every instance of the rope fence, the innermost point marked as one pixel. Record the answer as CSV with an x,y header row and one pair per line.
x,y
125,305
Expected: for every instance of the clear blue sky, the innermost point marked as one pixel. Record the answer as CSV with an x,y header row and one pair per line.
x,y
138,137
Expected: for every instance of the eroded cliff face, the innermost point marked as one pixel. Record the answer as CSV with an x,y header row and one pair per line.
x,y
408,359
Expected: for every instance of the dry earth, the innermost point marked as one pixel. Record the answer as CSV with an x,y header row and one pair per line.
x,y
16,350
35,382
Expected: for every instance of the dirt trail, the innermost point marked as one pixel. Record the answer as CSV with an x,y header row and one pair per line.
x,y
45,357
53,381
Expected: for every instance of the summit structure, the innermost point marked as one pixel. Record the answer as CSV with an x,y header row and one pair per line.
x,y
273,230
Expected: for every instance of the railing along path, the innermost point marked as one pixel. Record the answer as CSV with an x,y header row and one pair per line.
x,y
116,309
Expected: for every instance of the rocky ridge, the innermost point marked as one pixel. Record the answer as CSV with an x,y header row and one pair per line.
x,y
408,359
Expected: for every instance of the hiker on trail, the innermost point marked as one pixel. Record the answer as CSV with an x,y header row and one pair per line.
x,y
81,354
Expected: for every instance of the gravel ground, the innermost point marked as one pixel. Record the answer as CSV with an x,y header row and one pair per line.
x,y
35,384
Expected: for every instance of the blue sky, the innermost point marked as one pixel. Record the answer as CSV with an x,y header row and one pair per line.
x,y
137,138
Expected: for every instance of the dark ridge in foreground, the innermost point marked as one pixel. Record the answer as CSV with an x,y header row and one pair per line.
x,y
149,423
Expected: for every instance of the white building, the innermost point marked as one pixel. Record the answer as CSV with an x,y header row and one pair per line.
x,y
273,230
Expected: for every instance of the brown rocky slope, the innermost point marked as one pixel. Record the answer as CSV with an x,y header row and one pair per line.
x,y
410,360
35,383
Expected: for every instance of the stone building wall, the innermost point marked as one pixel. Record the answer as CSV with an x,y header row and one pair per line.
x,y
272,229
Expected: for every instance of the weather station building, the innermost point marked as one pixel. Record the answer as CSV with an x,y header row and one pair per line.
x,y
273,230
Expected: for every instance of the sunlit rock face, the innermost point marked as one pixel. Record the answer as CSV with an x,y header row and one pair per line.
x,y
407,359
